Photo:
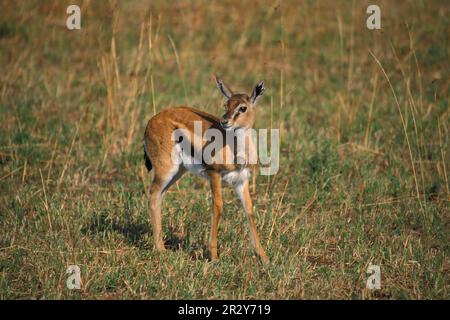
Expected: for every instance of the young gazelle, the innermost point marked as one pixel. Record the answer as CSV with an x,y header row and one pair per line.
x,y
161,151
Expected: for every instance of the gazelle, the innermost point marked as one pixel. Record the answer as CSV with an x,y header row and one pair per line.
x,y
160,151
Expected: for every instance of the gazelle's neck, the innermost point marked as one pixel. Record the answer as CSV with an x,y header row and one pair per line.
x,y
244,146
241,131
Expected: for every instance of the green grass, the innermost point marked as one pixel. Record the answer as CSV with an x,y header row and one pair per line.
x,y
350,190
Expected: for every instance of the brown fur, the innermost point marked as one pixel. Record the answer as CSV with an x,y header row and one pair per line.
x,y
159,146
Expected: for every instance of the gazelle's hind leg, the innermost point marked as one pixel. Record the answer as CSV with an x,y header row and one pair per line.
x,y
244,195
155,199
161,183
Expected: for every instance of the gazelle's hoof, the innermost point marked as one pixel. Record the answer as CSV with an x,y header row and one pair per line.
x,y
160,247
264,259
213,255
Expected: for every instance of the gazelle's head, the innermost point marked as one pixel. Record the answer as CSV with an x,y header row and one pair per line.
x,y
239,107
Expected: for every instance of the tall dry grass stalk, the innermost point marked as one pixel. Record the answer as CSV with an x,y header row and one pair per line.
x,y
412,106
123,104
443,159
405,131
369,117
180,70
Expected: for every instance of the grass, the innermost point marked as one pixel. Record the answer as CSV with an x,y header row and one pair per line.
x,y
363,176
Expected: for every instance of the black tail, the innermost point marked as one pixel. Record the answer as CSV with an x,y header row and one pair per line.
x,y
148,163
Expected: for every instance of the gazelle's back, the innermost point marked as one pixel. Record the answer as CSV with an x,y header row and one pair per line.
x,y
158,141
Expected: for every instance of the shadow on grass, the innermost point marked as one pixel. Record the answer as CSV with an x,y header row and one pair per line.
x,y
176,242
103,224
135,232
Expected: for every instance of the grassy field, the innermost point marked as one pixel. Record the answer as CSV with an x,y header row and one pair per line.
x,y
363,179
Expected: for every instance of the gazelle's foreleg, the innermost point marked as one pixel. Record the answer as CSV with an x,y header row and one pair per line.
x,y
216,192
244,194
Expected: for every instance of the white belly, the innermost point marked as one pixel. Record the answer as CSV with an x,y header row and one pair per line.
x,y
233,178
236,177
197,169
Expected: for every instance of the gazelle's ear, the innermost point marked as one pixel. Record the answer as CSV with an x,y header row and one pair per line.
x,y
223,88
257,92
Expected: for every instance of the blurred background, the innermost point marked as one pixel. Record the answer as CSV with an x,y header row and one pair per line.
x,y
364,123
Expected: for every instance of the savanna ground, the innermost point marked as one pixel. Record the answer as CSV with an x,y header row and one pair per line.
x,y
363,179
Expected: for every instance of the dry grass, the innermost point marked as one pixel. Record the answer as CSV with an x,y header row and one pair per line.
x,y
364,153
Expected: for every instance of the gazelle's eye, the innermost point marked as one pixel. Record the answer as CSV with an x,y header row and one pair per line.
x,y
242,109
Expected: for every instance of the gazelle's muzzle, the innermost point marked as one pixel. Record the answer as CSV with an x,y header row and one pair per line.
x,y
225,123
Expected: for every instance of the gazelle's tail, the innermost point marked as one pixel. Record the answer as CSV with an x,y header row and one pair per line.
x,y
148,163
